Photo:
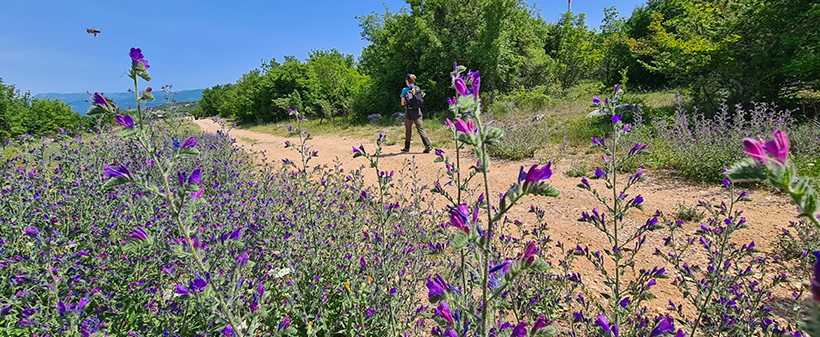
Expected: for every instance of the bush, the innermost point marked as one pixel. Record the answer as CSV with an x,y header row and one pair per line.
x,y
699,147
522,137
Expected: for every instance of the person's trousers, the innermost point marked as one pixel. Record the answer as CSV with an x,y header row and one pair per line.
x,y
408,132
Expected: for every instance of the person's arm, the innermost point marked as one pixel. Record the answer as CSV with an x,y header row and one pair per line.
x,y
403,102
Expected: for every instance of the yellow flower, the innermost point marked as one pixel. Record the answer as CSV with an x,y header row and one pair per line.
x,y
369,280
347,285
310,326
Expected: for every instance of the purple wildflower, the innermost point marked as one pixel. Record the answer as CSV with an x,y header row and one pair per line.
x,y
666,325
284,324
443,311
754,149
100,100
119,172
520,330
603,323
460,86
195,177
189,143
530,253
31,231
125,121
779,147
138,234
182,290
535,174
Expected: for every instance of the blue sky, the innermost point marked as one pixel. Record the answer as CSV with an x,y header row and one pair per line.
x,y
191,44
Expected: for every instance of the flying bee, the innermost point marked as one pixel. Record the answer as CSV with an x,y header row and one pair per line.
x,y
92,31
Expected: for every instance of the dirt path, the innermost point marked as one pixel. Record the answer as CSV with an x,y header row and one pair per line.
x,y
766,216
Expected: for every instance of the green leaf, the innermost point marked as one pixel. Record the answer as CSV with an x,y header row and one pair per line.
x,y
459,240
544,189
116,182
747,170
541,265
189,151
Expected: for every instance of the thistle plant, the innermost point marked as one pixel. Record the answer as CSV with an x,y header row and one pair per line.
x,y
458,312
622,313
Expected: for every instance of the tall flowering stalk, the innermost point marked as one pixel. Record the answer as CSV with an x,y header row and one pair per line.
x,y
180,202
623,298
457,311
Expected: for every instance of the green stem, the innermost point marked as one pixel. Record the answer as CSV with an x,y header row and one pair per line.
x,y
137,96
488,240
617,209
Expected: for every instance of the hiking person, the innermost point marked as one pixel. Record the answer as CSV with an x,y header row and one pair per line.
x,y
412,98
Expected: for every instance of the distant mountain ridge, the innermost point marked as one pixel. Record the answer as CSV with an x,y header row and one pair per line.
x,y
77,101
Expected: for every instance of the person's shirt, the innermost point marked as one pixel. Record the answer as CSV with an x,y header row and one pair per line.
x,y
405,90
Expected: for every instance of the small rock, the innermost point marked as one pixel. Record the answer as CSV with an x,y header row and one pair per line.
x,y
598,113
399,116
374,118
538,117
629,108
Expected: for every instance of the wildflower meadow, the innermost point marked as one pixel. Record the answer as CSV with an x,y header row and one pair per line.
x,y
145,226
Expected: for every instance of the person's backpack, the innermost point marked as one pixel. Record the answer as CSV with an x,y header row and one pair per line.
x,y
414,98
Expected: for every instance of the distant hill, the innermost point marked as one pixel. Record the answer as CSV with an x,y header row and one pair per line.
x,y
78,103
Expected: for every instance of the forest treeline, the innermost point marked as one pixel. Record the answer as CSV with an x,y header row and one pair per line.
x,y
733,51
20,114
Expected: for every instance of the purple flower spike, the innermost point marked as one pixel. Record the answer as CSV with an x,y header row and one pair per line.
x,y
779,147
99,99
596,100
476,84
82,303
136,55
443,311
520,330
754,149
227,331
189,143
617,88
530,253
539,324
195,177
461,87
536,174
118,172
138,234
615,119
182,290
198,284
666,325
126,121
61,308
284,324
815,281
603,323
434,289
458,218
465,126
31,231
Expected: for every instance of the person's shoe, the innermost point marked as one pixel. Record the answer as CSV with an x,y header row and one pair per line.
x,y
428,149
405,150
